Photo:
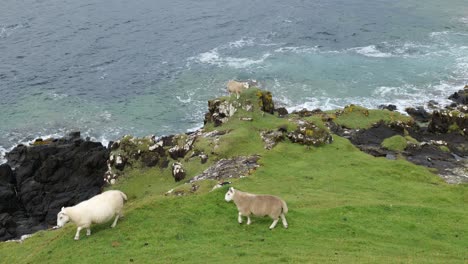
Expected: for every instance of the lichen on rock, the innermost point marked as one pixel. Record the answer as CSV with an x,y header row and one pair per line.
x,y
308,133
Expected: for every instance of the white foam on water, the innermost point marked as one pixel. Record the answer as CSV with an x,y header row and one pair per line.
x,y
56,96
7,30
3,152
185,101
461,68
213,57
195,128
464,20
371,51
243,42
297,50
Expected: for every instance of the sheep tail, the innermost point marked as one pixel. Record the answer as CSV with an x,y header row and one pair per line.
x,y
285,207
124,196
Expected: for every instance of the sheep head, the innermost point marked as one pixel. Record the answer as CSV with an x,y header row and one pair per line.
x,y
62,218
229,194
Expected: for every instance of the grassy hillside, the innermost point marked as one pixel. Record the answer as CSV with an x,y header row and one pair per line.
x,y
345,206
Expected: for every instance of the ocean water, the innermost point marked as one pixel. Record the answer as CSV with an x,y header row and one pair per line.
x,y
149,67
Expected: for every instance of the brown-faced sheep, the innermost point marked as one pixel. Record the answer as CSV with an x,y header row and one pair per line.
x,y
259,205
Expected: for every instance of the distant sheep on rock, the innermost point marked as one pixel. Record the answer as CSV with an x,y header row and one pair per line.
x,y
98,209
237,87
259,205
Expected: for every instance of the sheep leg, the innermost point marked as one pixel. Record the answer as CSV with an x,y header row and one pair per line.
x,y
283,219
77,235
115,221
237,95
88,231
274,223
239,218
248,220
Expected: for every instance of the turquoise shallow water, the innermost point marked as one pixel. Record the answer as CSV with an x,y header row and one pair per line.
x,y
149,68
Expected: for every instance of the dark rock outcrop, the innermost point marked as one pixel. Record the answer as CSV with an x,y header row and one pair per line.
x,y
389,107
444,121
419,114
45,177
282,112
445,152
178,172
460,97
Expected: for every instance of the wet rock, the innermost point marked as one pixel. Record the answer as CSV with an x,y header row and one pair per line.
x,y
433,104
282,112
445,152
178,171
8,199
389,107
229,168
460,97
419,114
63,172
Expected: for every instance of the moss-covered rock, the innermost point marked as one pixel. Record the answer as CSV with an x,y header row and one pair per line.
x,y
395,143
444,121
272,137
219,111
308,133
265,100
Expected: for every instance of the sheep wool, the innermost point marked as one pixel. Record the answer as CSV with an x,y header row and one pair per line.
x,y
258,205
237,87
98,209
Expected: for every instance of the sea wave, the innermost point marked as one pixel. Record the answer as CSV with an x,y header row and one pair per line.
x,y
464,20
243,42
298,50
213,57
7,30
3,152
371,51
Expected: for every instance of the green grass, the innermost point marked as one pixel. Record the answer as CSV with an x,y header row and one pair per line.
x,y
354,116
396,143
345,207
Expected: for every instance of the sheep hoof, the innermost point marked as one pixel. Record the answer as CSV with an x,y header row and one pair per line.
x,y
77,238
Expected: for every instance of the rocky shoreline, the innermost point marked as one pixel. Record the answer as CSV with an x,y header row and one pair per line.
x,y
39,179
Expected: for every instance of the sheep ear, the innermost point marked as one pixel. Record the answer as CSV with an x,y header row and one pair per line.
x,y
63,207
231,189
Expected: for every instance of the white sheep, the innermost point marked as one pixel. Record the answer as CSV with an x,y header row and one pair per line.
x,y
98,209
259,205
237,87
